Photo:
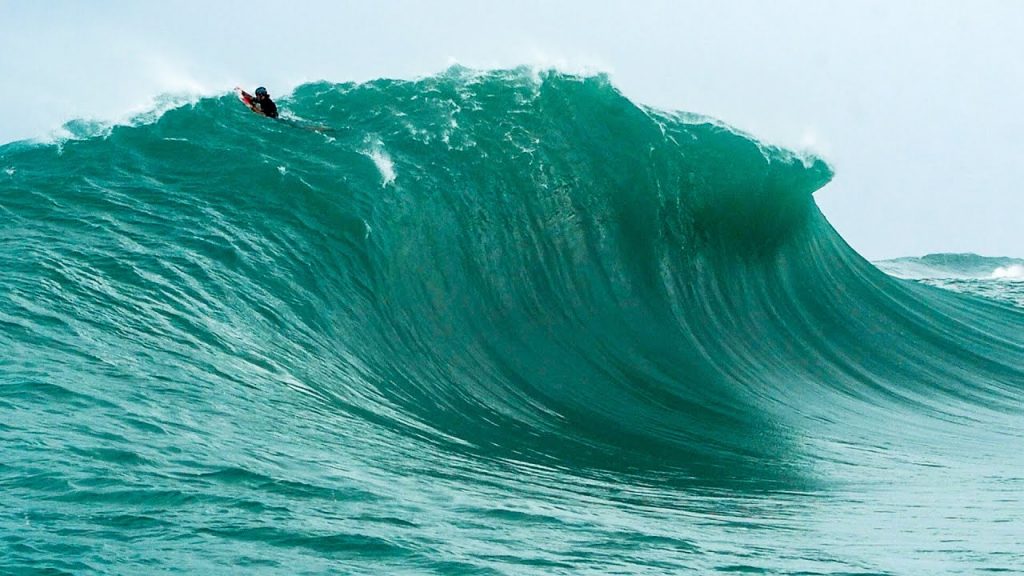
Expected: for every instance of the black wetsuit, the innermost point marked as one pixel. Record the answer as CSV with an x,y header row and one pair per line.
x,y
267,106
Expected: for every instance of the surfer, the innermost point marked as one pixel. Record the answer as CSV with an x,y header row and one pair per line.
x,y
261,102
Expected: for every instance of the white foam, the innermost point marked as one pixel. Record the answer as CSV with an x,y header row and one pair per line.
x,y
385,165
535,66
9,171
148,113
282,169
1011,272
541,60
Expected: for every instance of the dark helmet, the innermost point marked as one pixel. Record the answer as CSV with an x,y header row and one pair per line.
x,y
261,91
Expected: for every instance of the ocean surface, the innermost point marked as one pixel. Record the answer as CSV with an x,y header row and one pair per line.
x,y
484,323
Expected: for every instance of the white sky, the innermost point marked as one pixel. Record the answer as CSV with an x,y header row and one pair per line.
x,y
916,105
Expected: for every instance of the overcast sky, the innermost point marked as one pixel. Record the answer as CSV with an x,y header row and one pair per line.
x,y
916,105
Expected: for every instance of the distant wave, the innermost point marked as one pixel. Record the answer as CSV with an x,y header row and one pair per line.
x,y
961,266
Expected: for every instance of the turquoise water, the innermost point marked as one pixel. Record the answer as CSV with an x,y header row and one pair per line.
x,y
480,323
996,278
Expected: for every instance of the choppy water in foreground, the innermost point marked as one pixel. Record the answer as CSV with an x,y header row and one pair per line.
x,y
484,323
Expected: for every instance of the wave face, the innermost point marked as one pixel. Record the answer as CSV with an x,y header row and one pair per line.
x,y
481,323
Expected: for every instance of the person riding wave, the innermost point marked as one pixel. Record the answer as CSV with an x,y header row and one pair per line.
x,y
261,102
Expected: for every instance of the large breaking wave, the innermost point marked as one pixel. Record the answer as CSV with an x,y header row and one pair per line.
x,y
469,269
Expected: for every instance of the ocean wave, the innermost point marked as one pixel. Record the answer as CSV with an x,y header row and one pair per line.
x,y
505,273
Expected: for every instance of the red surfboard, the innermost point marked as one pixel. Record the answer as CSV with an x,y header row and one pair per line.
x,y
245,97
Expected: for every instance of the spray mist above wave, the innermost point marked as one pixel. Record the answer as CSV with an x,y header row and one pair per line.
x,y
1013,271
554,272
